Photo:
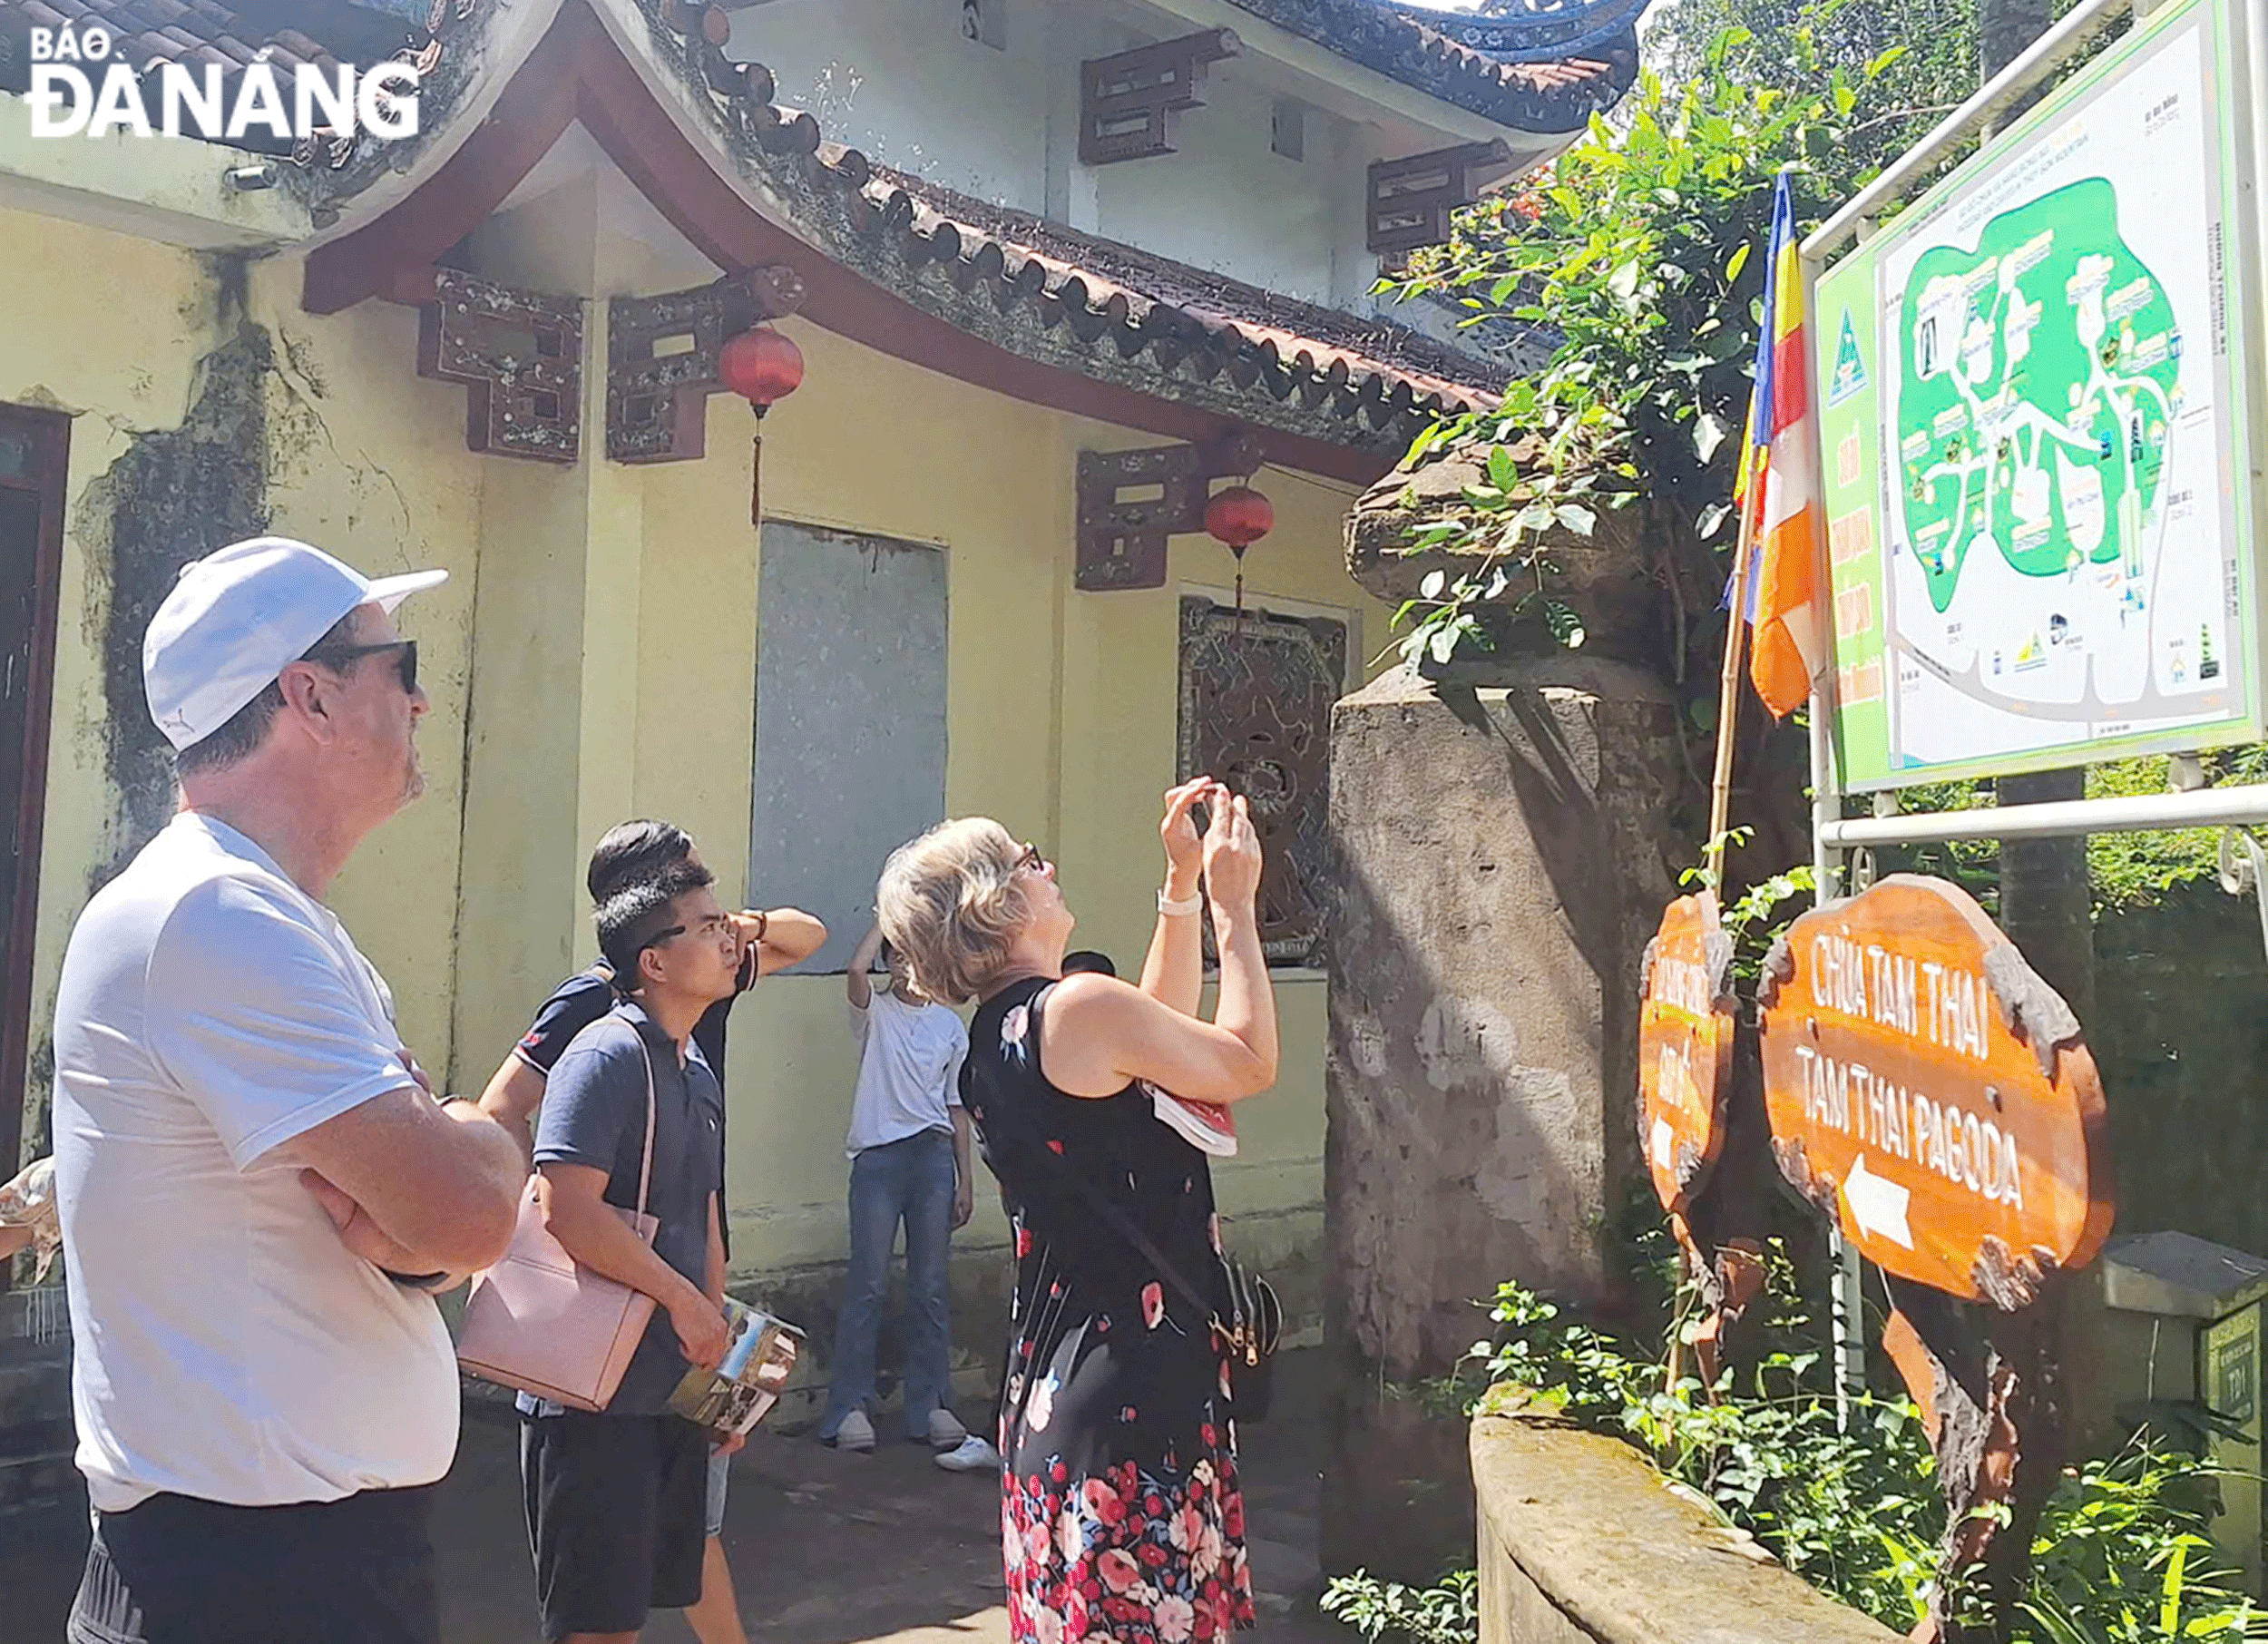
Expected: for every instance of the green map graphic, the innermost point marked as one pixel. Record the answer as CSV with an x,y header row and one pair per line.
x,y
2038,387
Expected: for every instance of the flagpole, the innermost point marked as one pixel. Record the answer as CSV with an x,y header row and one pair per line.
x,y
1728,698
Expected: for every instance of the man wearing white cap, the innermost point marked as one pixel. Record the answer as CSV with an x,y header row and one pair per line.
x,y
257,1193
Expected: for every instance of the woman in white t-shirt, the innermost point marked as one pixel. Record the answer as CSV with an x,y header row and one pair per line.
x,y
909,1153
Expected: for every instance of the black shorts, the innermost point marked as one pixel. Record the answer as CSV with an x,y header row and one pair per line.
x,y
616,1509
180,1570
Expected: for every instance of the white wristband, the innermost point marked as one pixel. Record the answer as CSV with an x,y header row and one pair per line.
x,y
1187,905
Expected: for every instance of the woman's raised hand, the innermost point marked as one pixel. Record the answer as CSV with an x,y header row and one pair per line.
x,y
1185,851
1232,854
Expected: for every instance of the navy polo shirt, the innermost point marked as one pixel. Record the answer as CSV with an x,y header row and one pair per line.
x,y
594,1114
589,994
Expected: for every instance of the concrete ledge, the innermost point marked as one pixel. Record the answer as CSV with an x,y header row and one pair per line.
x,y
1582,1543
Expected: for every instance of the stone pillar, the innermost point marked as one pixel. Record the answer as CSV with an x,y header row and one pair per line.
x,y
1504,841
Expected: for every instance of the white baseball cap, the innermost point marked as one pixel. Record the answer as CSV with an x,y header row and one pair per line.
x,y
236,619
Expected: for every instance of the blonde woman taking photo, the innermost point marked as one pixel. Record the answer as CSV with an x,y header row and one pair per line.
x,y
1121,1513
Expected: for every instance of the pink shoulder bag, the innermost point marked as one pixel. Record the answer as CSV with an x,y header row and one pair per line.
x,y
541,1322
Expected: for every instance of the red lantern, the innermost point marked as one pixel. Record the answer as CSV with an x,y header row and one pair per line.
x,y
1239,516
761,365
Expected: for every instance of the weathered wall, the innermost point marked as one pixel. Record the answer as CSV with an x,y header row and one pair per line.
x,y
1503,856
851,679
206,407
1582,1543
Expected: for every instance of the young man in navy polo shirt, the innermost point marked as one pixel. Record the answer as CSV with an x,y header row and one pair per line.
x,y
615,1497
772,940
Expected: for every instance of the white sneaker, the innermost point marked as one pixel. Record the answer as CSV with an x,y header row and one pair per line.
x,y
945,1431
974,1455
856,1432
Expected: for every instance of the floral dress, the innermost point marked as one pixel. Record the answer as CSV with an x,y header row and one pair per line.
x,y
1120,1514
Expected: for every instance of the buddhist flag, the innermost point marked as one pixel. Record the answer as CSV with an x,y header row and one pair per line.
x,y
1780,488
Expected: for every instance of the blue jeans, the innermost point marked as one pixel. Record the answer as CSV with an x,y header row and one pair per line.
x,y
910,1181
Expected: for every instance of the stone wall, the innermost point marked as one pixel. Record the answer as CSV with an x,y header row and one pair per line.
x,y
1581,1542
2180,1034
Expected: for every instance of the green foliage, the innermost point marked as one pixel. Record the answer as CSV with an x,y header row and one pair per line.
x,y
1448,1612
2140,870
1639,245
2126,870
1920,57
1748,920
2120,1555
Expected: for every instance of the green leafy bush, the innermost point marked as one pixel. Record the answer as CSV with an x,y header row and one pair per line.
x,y
2120,1554
1448,1612
2127,871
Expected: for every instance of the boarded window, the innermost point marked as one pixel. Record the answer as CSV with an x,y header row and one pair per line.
x,y
850,719
1257,692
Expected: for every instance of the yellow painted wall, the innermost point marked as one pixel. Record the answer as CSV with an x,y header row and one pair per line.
x,y
1062,723
600,632
364,457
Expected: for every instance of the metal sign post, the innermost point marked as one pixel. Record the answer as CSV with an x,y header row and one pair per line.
x,y
1984,440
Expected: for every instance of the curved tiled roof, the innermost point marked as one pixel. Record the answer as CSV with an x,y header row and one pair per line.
x,y
1093,305
1040,289
1544,66
1178,312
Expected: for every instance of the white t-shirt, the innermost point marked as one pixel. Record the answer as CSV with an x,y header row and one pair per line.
x,y
909,1071
227,1345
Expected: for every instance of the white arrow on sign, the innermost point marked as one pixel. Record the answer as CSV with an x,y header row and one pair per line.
x,y
1878,1205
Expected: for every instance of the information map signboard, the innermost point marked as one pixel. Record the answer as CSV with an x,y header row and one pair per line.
x,y
2037,422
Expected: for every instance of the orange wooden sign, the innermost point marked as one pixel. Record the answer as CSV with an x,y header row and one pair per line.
x,y
1686,1024
1926,1086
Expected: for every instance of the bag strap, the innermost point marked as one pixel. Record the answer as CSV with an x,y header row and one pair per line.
x,y
645,1165
1126,1228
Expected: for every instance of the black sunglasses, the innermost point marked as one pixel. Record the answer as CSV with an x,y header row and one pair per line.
x,y
405,661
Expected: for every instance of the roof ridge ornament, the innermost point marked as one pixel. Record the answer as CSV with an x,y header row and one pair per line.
x,y
1545,69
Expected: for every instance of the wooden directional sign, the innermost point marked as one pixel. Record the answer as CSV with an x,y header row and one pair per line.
x,y
1685,1025
1927,1087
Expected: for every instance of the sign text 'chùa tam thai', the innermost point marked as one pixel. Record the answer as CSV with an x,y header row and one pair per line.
x,y
1926,1086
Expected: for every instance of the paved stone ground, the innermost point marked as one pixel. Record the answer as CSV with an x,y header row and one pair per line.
x,y
825,1547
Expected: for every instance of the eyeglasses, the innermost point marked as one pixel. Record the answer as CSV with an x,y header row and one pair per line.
x,y
1031,859
406,658
711,924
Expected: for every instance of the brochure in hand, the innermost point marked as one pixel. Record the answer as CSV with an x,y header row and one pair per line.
x,y
1206,1125
759,1355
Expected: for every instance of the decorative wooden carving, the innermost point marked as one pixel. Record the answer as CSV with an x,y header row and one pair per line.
x,y
1411,199
519,354
1257,692
661,358
1130,502
1127,102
